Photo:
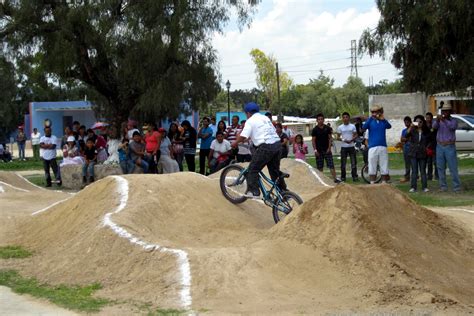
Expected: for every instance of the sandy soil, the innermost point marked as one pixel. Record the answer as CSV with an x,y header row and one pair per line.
x,y
347,249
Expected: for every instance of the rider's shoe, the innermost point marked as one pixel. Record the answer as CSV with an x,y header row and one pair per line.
x,y
252,195
337,180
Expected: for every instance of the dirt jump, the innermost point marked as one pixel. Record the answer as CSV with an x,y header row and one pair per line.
x,y
174,241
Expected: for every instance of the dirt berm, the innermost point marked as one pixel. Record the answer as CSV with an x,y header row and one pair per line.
x,y
380,232
349,249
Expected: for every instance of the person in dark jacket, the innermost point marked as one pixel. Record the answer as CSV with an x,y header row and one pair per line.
x,y
418,136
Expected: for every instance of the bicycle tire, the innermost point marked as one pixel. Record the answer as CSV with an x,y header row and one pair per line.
x,y
280,211
365,174
234,195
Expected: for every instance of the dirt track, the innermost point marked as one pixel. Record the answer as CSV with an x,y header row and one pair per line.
x,y
346,249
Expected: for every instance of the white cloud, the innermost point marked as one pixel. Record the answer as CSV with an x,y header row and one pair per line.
x,y
303,38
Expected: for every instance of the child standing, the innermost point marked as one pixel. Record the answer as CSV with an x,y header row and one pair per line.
x,y
90,155
124,160
300,149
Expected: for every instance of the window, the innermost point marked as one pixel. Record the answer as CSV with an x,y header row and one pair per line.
x,y
462,124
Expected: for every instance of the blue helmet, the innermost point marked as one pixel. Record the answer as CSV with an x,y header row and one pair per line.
x,y
252,107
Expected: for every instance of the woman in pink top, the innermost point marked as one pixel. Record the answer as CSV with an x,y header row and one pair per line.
x,y
300,149
152,148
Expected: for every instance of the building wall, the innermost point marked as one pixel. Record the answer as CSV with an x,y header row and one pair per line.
x,y
396,107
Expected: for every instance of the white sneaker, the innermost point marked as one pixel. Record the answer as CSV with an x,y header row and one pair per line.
x,y
412,190
426,190
250,195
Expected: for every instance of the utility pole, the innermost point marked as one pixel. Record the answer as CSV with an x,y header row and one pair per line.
x,y
280,116
354,59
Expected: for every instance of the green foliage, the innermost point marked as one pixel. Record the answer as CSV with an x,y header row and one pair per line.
x,y
432,42
7,252
385,87
72,297
140,58
319,95
265,69
9,109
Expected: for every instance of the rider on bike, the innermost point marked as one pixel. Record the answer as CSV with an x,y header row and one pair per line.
x,y
267,147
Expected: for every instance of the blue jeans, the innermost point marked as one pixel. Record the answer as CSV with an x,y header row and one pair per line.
x,y
88,167
21,150
447,154
418,164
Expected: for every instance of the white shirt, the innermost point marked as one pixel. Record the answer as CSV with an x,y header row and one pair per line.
x,y
347,133
48,154
35,138
220,148
260,130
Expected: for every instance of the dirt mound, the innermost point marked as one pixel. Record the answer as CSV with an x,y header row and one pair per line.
x,y
13,181
378,231
179,210
349,249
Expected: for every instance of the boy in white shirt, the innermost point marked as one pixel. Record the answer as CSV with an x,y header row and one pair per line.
x,y
35,143
348,133
219,156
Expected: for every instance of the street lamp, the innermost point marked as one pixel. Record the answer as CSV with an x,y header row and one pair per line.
x,y
227,84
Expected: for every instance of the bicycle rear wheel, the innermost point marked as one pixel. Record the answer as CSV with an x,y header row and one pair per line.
x,y
289,200
233,183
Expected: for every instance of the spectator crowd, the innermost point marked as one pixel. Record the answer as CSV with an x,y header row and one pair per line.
x,y
428,147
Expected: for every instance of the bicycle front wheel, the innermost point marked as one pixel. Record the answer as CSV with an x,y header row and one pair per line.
x,y
233,183
365,174
289,200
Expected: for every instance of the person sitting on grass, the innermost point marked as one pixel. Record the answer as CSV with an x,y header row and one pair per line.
x,y
137,151
90,157
219,156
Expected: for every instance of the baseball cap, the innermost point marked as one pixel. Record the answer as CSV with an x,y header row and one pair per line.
x,y
252,107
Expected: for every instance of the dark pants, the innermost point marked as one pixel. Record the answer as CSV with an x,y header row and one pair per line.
x,y
430,162
53,165
179,159
418,164
150,159
36,151
265,155
407,160
190,162
244,158
203,155
345,151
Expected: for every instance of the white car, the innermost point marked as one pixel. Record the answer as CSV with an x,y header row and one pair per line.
x,y
464,132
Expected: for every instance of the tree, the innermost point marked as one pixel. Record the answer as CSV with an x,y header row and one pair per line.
x,y
352,97
432,42
267,78
142,57
318,97
9,110
386,87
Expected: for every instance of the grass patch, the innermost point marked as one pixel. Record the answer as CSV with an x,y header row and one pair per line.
x,y
442,199
18,252
77,298
30,164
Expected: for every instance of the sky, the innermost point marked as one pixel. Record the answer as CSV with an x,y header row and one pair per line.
x,y
305,36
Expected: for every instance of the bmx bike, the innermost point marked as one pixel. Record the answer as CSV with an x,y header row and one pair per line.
x,y
233,183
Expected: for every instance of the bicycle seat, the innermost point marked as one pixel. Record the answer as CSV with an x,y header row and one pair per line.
x,y
284,175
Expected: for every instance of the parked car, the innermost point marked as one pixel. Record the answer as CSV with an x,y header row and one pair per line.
x,y
464,132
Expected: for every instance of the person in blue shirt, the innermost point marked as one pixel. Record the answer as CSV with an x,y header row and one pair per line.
x,y
406,149
378,154
205,134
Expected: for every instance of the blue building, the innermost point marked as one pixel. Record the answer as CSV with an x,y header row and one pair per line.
x,y
222,116
61,114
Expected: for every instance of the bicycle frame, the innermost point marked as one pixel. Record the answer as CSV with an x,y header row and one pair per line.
x,y
267,193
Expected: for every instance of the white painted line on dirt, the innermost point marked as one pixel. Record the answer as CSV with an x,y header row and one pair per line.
x,y
14,187
48,207
183,261
2,190
314,172
41,188
461,210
